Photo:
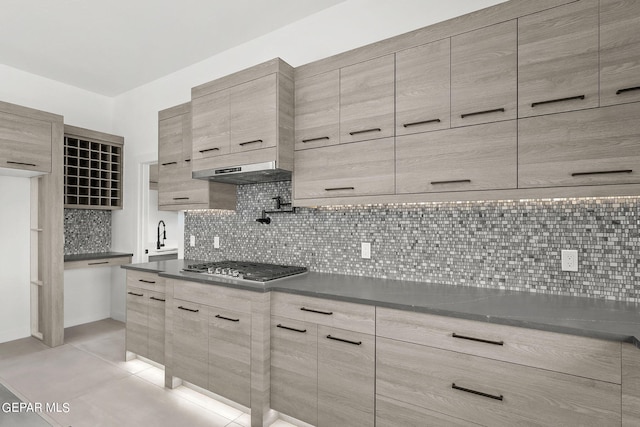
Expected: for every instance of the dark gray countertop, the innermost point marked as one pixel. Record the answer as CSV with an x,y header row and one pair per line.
x,y
94,255
587,317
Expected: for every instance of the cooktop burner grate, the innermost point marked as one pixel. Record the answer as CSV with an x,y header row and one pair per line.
x,y
254,271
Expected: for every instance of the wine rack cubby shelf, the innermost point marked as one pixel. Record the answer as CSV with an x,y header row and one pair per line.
x,y
92,169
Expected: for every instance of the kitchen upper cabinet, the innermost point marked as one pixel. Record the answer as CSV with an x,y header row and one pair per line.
x,y
423,88
591,147
367,94
362,168
317,110
25,140
558,64
480,157
619,51
191,342
245,118
176,188
484,75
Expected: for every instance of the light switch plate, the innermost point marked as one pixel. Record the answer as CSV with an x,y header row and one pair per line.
x,y
569,260
192,241
216,242
366,250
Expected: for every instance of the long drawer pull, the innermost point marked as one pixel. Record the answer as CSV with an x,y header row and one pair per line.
x,y
479,393
188,309
464,337
311,310
157,299
627,89
180,198
169,163
454,181
146,281
602,172
227,318
187,160
302,331
357,132
209,149
423,122
97,263
134,294
250,142
339,188
551,101
343,340
476,113
21,163
315,139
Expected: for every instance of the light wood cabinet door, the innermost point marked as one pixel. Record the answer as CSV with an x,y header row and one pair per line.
x,y
367,97
590,147
25,143
230,354
253,120
155,321
346,378
317,110
137,326
170,141
191,342
393,413
484,65
423,88
478,157
176,187
630,385
210,125
491,392
619,51
558,63
294,368
363,168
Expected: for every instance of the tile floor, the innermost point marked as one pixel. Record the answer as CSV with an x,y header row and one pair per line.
x,y
89,374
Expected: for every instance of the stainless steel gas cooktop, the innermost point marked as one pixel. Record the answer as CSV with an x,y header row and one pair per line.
x,y
252,271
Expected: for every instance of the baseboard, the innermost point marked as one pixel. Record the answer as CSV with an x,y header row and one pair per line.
x,y
14,334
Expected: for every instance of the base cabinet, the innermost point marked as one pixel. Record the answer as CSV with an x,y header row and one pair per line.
x,y
191,342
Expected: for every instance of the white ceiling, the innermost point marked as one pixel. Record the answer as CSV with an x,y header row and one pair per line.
x,y
112,46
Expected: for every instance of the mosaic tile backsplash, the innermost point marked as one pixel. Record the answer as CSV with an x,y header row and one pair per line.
x,y
86,231
513,245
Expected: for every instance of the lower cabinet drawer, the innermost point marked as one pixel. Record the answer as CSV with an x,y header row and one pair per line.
x,y
393,413
491,392
294,369
346,378
191,342
145,280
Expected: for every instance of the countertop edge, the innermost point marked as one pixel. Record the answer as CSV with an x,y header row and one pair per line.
x,y
95,255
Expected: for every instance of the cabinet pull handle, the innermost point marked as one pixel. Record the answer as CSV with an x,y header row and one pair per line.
x,y
343,340
571,98
455,181
328,313
288,328
424,122
157,299
146,281
339,188
479,393
315,139
180,198
187,160
188,309
21,163
134,294
627,89
250,142
227,318
209,149
96,263
602,172
169,163
497,110
365,131
463,337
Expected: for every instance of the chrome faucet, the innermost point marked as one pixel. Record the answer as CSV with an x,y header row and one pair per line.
x,y
164,234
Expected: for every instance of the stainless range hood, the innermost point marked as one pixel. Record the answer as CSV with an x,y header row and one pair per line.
x,y
245,174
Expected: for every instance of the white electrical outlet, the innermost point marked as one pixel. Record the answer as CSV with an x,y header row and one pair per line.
x,y
216,242
569,260
192,241
366,250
